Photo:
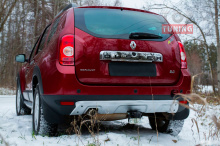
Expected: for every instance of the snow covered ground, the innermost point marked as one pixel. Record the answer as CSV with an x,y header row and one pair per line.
x,y
18,131
205,89
6,91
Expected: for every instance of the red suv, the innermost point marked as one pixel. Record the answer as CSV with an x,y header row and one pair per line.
x,y
113,60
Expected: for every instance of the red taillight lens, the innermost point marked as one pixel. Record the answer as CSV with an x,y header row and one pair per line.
x,y
66,103
184,102
67,50
183,56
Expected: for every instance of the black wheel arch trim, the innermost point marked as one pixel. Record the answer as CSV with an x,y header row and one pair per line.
x,y
18,82
180,115
37,73
23,105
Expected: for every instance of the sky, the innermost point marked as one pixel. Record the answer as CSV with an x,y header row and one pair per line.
x,y
133,3
140,3
144,3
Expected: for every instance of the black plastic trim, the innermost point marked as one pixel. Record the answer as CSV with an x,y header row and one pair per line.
x,y
22,94
180,115
111,97
37,73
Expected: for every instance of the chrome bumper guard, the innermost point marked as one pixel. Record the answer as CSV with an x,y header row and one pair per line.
x,y
123,106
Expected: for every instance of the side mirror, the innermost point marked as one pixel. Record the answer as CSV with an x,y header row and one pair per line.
x,y
20,58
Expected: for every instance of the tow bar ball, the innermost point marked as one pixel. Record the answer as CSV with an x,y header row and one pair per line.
x,y
134,117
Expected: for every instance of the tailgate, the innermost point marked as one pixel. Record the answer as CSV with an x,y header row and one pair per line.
x,y
104,55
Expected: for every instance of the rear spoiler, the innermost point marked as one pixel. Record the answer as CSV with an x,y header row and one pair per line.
x,y
73,5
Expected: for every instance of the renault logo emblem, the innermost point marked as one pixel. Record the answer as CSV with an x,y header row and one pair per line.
x,y
133,45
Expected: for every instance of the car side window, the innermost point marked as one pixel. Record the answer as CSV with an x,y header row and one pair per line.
x,y
34,49
53,29
57,26
43,39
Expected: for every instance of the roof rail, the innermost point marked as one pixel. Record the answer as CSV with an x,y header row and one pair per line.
x,y
73,5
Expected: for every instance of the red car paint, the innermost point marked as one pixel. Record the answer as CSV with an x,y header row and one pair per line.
x,y
66,80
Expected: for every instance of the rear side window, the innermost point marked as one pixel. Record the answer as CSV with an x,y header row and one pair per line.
x,y
43,39
57,26
117,23
34,49
53,29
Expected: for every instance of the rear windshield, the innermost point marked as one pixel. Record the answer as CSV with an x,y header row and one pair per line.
x,y
117,23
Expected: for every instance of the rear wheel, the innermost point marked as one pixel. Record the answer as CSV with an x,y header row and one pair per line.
x,y
39,124
172,127
21,108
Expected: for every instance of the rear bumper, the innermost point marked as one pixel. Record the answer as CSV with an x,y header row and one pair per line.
x,y
63,85
123,106
110,104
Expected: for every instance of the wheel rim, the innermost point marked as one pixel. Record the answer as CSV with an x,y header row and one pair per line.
x,y
18,100
36,112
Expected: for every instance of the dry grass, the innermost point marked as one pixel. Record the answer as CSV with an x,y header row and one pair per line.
x,y
200,103
3,141
90,123
203,106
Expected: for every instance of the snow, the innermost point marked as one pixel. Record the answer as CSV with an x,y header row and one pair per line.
x,y
6,91
205,89
17,130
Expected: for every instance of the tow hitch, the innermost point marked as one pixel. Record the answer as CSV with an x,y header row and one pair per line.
x,y
134,117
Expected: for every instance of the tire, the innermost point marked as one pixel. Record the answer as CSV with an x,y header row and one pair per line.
x,y
172,127
21,108
39,124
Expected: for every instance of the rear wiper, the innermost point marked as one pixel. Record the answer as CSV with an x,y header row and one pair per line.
x,y
141,35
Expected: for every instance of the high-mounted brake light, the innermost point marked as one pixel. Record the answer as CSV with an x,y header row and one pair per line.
x,y
67,50
183,56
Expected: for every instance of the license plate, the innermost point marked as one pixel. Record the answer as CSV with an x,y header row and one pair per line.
x,y
132,69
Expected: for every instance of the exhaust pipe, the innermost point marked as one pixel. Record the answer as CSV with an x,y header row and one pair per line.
x,y
93,113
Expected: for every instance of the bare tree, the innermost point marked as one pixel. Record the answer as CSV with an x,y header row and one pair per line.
x,y
21,22
192,20
101,3
4,13
117,3
218,41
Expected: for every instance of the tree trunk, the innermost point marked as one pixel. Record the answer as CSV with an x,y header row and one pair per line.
x,y
35,20
8,14
218,44
44,16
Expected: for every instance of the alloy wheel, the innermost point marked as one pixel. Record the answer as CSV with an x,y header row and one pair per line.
x,y
36,112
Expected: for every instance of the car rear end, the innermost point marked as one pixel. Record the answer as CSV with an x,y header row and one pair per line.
x,y
118,62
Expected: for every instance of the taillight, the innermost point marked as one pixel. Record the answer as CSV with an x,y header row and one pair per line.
x,y
183,56
183,102
67,50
